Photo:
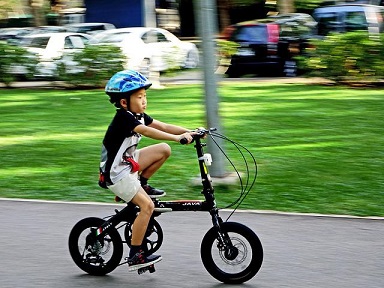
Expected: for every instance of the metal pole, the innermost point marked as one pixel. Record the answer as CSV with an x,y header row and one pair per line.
x,y
149,13
207,26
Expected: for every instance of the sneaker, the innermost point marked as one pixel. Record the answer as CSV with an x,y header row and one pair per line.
x,y
140,261
153,192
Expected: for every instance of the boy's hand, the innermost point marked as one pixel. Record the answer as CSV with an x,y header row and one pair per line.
x,y
186,138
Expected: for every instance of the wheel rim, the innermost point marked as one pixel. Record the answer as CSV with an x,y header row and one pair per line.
x,y
96,251
234,258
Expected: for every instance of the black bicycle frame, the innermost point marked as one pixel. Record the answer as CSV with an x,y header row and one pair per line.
x,y
129,212
208,191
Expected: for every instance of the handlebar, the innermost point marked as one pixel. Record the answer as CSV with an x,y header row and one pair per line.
x,y
200,133
183,141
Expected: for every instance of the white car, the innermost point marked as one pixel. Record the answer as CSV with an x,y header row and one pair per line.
x,y
152,49
89,28
52,48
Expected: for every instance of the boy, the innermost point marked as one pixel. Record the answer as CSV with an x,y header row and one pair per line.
x,y
122,163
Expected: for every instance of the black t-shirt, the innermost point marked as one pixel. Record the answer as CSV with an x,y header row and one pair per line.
x,y
120,141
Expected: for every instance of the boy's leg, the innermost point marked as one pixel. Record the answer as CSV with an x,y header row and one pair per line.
x,y
137,258
139,228
151,158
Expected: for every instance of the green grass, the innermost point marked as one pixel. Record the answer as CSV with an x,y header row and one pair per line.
x,y
319,149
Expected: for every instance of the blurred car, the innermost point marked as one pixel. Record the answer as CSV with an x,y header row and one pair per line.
x,y
152,49
14,35
89,28
53,48
48,29
349,17
268,46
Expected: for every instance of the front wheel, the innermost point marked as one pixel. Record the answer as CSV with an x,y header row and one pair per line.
x,y
233,256
96,255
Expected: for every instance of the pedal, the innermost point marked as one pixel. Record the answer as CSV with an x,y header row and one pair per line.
x,y
142,270
150,268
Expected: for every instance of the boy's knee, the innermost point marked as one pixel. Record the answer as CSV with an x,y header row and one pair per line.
x,y
148,208
166,150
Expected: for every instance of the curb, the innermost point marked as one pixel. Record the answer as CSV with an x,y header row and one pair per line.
x,y
263,212
187,78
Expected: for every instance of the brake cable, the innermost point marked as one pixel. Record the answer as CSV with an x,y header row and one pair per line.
x,y
244,188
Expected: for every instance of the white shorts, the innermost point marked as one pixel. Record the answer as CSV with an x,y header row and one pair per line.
x,y
127,187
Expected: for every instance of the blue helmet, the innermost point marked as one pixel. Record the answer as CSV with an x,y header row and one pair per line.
x,y
123,84
126,81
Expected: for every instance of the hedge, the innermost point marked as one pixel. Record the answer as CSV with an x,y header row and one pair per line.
x,y
352,56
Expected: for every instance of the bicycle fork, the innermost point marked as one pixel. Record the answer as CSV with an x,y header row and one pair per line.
x,y
224,242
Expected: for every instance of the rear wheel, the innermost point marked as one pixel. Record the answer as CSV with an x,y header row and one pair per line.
x,y
234,256
96,255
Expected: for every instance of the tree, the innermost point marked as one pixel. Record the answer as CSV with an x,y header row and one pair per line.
x,y
290,6
37,9
232,11
225,7
307,6
9,6
286,6
223,10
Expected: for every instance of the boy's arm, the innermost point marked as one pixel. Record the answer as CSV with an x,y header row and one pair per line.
x,y
169,128
157,134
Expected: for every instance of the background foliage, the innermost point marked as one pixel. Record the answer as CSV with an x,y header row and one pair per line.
x,y
14,57
346,57
95,65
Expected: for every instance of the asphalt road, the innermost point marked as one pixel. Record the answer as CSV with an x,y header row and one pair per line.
x,y
300,251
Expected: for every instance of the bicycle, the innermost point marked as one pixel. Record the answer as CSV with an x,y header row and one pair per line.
x,y
231,252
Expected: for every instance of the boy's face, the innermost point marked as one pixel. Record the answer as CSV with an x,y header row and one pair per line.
x,y
138,101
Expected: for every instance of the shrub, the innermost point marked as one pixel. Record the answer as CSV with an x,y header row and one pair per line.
x,y
14,62
352,56
92,67
225,50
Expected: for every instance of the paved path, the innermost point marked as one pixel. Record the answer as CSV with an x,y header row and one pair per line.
x,y
300,251
183,77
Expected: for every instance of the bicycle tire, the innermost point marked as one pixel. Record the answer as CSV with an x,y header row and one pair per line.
x,y
88,252
232,268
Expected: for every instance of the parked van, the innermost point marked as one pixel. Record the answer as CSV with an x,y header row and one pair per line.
x,y
349,17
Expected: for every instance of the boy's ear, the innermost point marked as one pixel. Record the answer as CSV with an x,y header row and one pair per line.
x,y
124,103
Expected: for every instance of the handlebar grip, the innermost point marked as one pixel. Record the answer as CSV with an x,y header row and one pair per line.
x,y
183,141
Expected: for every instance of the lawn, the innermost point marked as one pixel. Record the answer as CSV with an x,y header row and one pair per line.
x,y
319,149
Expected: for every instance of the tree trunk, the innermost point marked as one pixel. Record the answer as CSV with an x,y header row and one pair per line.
x,y
223,10
285,6
37,12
